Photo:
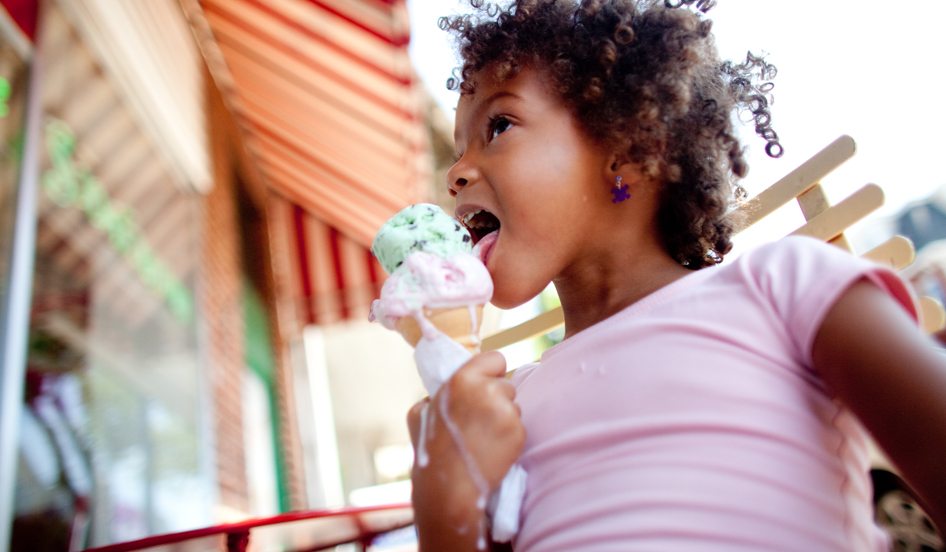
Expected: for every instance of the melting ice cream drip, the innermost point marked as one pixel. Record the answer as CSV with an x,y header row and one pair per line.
x,y
475,329
422,458
472,469
428,419
478,480
428,330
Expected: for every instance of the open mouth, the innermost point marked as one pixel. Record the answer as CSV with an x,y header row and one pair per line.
x,y
480,223
484,227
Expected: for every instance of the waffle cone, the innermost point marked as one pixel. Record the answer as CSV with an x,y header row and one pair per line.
x,y
455,323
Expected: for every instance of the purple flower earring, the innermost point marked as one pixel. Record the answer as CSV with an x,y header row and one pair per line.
x,y
620,191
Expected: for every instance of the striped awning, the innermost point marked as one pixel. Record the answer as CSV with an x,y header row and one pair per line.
x,y
330,107
326,276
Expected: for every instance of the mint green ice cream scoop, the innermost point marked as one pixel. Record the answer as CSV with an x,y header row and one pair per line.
x,y
421,227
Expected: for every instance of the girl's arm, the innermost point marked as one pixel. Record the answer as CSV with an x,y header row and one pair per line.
x,y
873,358
472,424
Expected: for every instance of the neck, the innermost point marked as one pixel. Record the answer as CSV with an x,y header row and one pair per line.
x,y
606,283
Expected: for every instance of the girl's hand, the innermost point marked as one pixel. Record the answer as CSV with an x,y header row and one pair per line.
x,y
473,433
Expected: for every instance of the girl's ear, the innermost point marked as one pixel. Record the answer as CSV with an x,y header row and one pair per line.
x,y
629,172
614,162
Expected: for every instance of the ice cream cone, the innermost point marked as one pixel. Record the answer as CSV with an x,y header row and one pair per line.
x,y
457,323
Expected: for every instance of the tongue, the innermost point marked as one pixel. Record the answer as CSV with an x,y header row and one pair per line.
x,y
482,247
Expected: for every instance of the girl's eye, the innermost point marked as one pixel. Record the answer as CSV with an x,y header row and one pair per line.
x,y
498,126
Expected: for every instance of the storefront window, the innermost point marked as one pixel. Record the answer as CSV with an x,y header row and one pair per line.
x,y
111,445
110,449
264,470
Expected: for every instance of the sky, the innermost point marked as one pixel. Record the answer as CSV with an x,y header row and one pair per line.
x,y
867,69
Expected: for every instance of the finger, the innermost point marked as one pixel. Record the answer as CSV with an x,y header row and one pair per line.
x,y
506,388
491,364
508,394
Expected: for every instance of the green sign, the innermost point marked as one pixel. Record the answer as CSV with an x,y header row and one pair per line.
x,y
69,184
4,97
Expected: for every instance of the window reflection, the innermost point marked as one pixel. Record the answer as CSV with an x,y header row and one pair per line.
x,y
111,448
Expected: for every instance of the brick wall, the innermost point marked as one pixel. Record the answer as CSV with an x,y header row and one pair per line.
x,y
223,308
287,330
225,342
223,281
291,444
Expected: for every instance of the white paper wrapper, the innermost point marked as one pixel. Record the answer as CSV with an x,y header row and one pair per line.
x,y
437,359
505,504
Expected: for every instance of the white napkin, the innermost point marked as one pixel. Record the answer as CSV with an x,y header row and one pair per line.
x,y
437,359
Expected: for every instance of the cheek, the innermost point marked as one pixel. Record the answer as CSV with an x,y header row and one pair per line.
x,y
565,171
537,187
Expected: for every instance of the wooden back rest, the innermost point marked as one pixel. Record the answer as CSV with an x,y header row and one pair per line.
x,y
824,221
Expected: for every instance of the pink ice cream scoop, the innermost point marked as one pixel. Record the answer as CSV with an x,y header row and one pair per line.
x,y
436,286
429,281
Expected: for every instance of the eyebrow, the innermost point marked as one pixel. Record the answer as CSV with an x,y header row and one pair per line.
x,y
496,96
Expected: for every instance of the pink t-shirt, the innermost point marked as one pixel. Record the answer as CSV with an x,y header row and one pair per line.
x,y
693,421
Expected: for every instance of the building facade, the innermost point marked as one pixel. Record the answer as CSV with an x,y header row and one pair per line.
x,y
186,189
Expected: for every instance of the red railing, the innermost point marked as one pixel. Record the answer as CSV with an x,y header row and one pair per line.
x,y
293,532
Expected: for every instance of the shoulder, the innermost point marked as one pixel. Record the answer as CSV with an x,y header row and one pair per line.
x,y
802,278
799,265
796,253
789,268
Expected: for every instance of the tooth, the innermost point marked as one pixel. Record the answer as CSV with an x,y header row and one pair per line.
x,y
469,216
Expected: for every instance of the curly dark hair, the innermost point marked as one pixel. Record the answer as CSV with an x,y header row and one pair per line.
x,y
643,78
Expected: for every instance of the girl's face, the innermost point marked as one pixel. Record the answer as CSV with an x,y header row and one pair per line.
x,y
529,183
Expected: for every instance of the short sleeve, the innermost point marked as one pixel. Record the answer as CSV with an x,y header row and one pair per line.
x,y
804,277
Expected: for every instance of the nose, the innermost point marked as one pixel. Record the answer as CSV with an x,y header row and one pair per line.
x,y
460,175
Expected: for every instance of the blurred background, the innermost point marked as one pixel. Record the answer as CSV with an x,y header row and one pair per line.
x,y
188,191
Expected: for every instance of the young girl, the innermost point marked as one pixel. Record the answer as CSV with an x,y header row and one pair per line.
x,y
690,407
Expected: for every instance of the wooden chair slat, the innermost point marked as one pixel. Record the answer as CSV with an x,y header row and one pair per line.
x,y
897,253
541,324
932,315
799,180
835,220
813,202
